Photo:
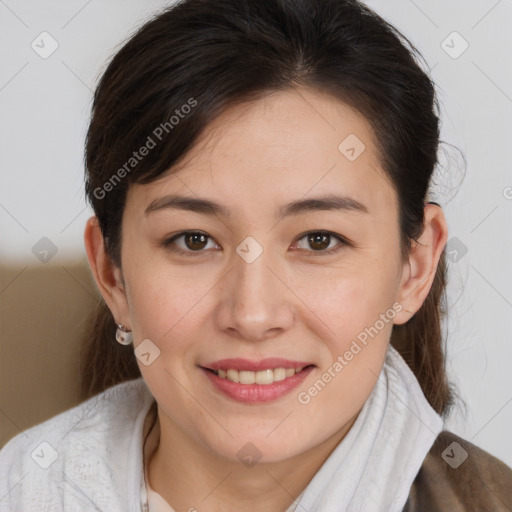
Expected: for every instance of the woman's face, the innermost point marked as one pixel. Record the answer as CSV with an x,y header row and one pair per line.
x,y
255,281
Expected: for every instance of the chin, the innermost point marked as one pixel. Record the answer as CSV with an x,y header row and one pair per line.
x,y
254,449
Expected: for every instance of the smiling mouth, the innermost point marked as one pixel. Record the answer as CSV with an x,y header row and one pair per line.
x,y
263,377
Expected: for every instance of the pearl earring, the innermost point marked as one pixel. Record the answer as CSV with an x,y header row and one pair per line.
x,y
123,335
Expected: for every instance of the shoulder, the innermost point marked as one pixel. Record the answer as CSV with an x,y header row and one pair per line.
x,y
76,453
456,475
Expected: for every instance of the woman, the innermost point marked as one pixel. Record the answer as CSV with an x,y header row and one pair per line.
x,y
273,272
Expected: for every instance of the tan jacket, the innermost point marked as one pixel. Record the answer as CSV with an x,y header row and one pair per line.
x,y
458,476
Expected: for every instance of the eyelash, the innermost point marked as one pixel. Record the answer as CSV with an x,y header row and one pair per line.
x,y
169,243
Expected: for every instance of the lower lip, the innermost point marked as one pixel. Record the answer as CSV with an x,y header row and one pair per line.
x,y
257,393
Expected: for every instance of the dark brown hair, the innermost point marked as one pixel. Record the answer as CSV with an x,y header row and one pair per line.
x,y
212,54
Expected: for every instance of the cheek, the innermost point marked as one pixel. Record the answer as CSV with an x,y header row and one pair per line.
x,y
161,299
348,299
358,311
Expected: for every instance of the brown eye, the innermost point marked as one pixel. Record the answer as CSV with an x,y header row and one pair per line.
x,y
188,242
195,241
319,242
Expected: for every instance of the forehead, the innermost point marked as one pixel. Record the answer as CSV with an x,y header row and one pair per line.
x,y
286,146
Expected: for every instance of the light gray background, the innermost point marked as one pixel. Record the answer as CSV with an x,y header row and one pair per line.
x,y
45,104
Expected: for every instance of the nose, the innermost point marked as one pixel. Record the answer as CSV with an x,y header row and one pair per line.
x,y
255,303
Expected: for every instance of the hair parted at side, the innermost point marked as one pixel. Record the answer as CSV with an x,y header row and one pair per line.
x,y
187,64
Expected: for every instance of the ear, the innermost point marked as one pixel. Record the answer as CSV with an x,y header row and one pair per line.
x,y
420,269
108,276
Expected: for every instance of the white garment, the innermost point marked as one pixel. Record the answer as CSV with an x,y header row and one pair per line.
x,y
91,457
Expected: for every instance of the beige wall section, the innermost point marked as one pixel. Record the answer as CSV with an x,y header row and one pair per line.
x,y
43,310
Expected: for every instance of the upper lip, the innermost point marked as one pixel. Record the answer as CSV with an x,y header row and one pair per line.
x,y
255,366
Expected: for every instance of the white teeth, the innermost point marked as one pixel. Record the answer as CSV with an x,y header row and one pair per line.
x,y
247,377
280,374
232,375
261,377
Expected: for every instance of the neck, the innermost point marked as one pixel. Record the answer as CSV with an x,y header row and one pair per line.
x,y
190,476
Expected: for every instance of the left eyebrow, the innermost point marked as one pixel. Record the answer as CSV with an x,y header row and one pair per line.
x,y
209,207
328,202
